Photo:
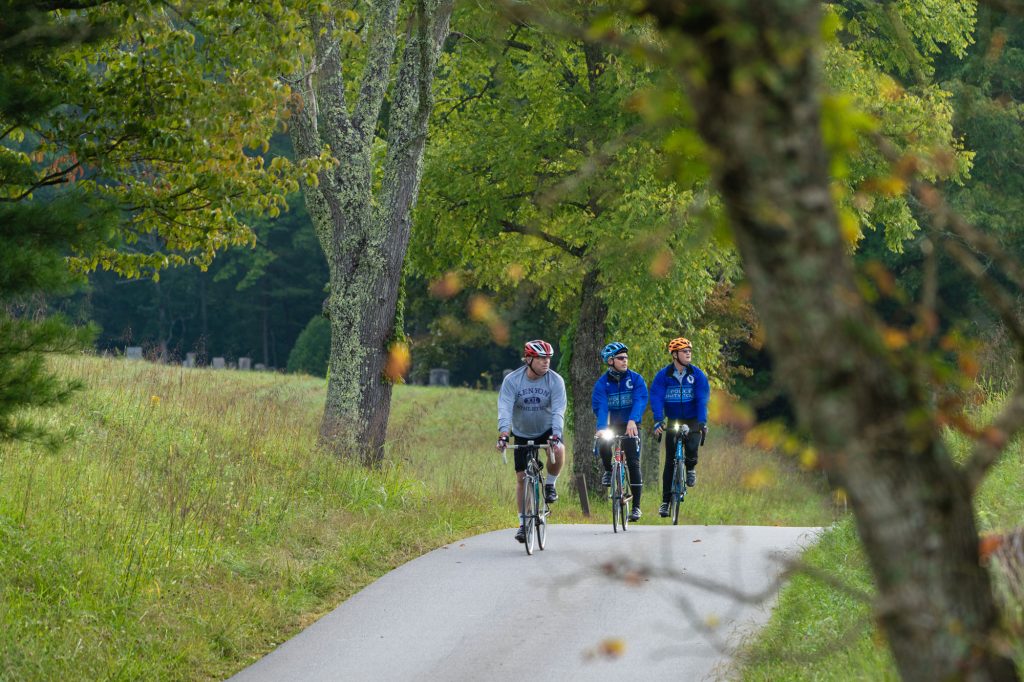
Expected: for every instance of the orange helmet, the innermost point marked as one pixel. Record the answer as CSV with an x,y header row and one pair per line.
x,y
679,344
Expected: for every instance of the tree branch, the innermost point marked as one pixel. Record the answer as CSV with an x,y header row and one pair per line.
x,y
330,99
374,83
509,226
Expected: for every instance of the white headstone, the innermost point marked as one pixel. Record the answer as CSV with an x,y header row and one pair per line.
x,y
218,363
259,367
244,363
190,360
133,352
438,377
506,372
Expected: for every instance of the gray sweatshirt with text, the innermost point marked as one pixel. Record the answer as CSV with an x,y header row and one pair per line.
x,y
529,408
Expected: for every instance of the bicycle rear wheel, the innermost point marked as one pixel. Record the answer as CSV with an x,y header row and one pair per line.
x,y
677,492
529,510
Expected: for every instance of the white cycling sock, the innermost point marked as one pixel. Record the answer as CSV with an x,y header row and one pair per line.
x,y
522,519
552,478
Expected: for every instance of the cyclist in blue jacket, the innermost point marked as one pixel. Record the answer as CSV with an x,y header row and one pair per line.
x,y
680,392
619,400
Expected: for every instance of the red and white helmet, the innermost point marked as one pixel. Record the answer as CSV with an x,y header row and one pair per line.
x,y
538,349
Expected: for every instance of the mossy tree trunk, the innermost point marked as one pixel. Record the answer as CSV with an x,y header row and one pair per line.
x,y
363,228
757,99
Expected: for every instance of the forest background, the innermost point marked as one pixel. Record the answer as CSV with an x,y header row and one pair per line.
x,y
256,302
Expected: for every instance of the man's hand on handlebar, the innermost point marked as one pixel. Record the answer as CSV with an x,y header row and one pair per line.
x,y
502,442
631,429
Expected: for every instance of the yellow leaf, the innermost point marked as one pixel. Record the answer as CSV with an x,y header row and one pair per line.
x,y
613,647
398,361
446,287
894,339
480,308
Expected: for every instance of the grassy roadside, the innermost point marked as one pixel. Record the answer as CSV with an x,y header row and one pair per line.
x,y
822,633
193,524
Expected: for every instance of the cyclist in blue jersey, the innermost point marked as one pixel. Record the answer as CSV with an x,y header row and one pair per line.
x,y
680,392
619,400
531,407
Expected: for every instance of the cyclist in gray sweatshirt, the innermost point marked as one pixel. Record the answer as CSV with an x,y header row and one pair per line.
x,y
531,406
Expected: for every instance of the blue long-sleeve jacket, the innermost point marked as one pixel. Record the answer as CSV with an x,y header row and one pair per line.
x,y
619,401
681,395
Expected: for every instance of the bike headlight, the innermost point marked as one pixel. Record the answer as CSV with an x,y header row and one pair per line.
x,y
607,434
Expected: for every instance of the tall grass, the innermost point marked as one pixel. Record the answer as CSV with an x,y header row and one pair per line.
x,y
194,523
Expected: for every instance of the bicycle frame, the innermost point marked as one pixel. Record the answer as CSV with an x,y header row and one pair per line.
x,y
534,508
678,493
620,491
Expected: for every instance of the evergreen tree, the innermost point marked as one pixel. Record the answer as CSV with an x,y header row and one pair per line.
x,y
37,231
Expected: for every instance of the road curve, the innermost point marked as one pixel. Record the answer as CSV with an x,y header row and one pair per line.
x,y
481,608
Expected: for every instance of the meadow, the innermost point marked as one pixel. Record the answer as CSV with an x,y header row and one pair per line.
x,y
193,523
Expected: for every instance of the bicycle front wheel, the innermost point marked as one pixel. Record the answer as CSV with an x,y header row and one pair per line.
x,y
616,491
542,520
677,492
625,498
529,511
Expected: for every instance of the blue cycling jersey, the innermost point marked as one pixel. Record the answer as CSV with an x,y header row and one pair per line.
x,y
680,394
617,402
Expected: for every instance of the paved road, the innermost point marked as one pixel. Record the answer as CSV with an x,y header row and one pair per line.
x,y
482,609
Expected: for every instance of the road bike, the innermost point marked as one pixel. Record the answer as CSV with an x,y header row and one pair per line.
x,y
678,492
535,508
620,491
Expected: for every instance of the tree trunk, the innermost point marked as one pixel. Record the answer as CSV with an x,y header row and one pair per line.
x,y
365,236
204,327
584,368
865,405
163,323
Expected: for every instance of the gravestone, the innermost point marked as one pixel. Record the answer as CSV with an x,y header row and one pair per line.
x,y
439,377
506,372
245,363
259,367
218,363
133,352
190,360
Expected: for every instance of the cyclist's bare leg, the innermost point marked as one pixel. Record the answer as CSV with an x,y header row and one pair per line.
x,y
554,463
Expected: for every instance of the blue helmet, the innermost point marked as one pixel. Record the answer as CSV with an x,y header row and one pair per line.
x,y
612,349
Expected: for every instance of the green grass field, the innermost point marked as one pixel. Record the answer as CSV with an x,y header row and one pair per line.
x,y
194,524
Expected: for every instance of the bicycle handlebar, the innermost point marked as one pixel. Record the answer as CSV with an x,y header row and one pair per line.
x,y
684,429
615,438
